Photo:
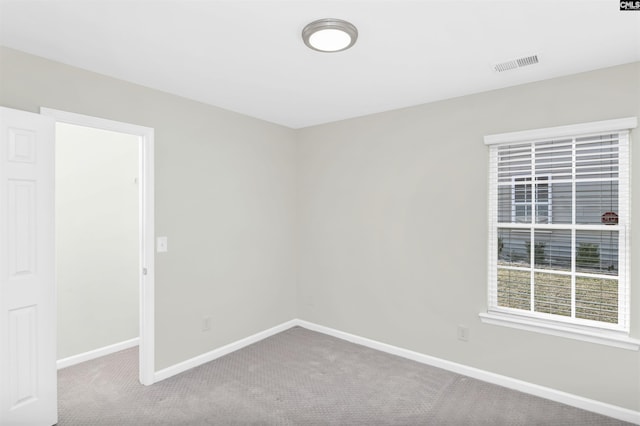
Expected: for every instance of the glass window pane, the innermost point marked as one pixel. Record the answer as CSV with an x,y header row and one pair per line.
x,y
554,158
522,213
512,247
560,203
542,190
552,249
542,213
513,161
597,252
514,289
597,157
552,293
593,199
521,193
505,204
597,299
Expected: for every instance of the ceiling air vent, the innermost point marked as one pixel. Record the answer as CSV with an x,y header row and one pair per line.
x,y
516,63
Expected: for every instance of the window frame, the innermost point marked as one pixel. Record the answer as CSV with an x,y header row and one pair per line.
x,y
575,328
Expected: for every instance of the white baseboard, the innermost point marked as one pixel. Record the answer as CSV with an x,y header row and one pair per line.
x,y
605,409
97,353
221,351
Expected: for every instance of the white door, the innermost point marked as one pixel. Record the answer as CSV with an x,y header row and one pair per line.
x,y
28,380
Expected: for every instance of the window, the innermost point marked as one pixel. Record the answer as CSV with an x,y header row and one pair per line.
x,y
559,226
522,206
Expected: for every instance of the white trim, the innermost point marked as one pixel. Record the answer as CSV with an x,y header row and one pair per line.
x,y
97,353
599,407
605,338
221,351
560,131
95,122
147,227
577,401
147,259
624,187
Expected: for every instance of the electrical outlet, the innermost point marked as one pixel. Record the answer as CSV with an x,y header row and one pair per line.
x,y
463,333
206,323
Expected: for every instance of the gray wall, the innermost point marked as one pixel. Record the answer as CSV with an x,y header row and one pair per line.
x,y
224,196
393,230
97,259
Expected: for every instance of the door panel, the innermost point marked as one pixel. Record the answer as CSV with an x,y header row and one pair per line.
x,y
28,377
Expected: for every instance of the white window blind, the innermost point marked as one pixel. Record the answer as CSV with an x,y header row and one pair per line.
x,y
559,226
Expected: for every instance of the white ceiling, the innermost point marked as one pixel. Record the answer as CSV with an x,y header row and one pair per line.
x,y
248,56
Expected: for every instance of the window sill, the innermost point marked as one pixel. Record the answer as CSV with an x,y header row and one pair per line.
x,y
609,338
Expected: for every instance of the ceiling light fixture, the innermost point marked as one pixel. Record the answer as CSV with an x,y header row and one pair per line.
x,y
330,35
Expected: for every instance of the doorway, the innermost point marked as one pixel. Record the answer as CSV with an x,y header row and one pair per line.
x,y
97,244
128,163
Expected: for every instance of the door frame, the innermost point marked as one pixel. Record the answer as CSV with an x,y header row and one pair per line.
x,y
146,273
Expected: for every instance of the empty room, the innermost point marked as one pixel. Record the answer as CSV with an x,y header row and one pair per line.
x,y
319,212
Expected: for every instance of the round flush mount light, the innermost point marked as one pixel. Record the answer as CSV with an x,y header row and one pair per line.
x,y
330,35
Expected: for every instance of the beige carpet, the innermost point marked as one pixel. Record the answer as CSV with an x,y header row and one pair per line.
x,y
300,377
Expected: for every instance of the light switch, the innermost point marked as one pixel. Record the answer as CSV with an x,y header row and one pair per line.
x,y
162,244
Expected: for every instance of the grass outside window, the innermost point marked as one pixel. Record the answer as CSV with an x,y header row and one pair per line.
x,y
596,298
